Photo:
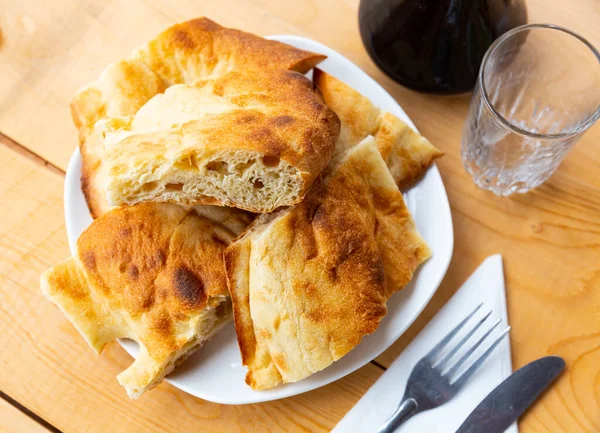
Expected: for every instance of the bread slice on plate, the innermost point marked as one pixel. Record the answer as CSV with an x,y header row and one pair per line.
x,y
407,154
182,54
197,48
254,141
153,273
308,282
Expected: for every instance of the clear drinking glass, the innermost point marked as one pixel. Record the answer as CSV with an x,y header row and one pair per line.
x,y
537,92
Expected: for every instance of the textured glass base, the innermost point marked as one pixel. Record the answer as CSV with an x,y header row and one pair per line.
x,y
492,184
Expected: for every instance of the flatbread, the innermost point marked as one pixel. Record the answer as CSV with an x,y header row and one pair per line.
x,y
255,141
153,273
181,54
407,154
307,283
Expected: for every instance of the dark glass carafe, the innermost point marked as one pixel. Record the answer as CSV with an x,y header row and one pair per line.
x,y
435,46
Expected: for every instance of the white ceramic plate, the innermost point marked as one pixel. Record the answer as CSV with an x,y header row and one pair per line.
x,y
215,372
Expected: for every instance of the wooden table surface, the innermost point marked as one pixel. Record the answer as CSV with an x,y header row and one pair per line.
x,y
49,378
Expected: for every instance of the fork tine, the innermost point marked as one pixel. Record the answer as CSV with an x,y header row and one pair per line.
x,y
462,360
469,372
438,347
445,360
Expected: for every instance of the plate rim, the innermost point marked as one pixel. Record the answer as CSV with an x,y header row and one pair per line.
x,y
73,186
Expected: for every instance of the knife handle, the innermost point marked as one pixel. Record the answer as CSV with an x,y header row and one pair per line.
x,y
407,408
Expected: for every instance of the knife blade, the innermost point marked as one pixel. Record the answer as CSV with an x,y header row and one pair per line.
x,y
507,402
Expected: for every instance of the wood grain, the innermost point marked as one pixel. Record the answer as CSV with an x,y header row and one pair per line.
x,y
52,47
550,241
550,238
12,420
57,376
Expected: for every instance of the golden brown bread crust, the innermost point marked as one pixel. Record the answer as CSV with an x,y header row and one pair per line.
x,y
153,273
181,54
266,114
407,154
197,48
296,126
124,253
307,283
105,106
262,372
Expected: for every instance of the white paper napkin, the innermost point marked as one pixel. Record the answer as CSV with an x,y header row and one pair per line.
x,y
485,285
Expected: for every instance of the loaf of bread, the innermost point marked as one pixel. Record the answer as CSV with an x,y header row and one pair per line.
x,y
153,273
308,282
407,154
254,141
182,54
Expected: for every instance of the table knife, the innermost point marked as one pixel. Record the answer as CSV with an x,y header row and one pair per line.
x,y
507,402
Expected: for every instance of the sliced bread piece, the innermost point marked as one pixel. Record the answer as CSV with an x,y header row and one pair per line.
x,y
153,273
181,54
407,153
253,141
308,282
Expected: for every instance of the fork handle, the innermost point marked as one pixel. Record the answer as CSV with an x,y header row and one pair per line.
x,y
406,409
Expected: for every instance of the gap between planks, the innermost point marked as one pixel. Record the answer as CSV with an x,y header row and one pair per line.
x,y
377,364
30,414
24,151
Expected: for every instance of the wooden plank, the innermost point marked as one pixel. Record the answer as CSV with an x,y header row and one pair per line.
x,y
51,48
549,238
56,375
12,420
550,241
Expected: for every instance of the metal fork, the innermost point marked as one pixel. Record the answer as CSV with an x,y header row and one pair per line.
x,y
433,381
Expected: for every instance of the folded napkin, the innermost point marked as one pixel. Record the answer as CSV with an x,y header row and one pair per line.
x,y
485,285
